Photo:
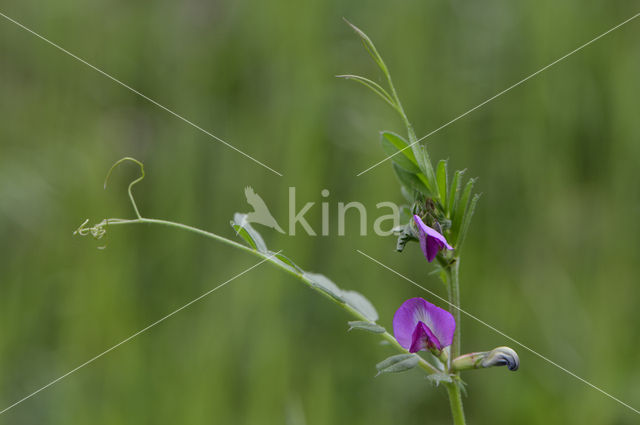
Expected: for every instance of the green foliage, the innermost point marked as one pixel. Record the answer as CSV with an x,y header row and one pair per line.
x,y
454,192
244,229
354,300
468,214
397,363
373,86
412,164
393,144
418,151
410,181
324,284
366,326
558,151
462,212
442,179
288,262
361,304
373,52
439,378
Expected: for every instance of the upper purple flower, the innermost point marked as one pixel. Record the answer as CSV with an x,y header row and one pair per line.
x,y
419,325
431,241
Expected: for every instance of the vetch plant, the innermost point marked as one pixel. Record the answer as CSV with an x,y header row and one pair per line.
x,y
441,212
437,216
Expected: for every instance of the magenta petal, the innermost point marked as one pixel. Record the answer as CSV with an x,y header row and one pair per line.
x,y
431,241
433,247
419,325
423,339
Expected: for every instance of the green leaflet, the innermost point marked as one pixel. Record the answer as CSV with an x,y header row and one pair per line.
x,y
371,48
460,210
441,178
287,262
353,299
397,363
454,192
410,181
373,86
325,284
244,229
424,162
366,326
467,220
393,144
360,303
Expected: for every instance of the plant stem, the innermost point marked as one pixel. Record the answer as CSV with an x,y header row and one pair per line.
x,y
453,289
455,402
422,363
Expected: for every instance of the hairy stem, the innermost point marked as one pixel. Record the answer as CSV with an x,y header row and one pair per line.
x,y
453,290
455,402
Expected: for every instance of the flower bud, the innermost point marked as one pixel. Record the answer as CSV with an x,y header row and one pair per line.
x,y
500,356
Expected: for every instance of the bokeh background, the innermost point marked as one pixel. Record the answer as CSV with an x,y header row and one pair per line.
x,y
551,258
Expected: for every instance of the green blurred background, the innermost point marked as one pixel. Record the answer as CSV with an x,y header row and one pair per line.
x,y
551,258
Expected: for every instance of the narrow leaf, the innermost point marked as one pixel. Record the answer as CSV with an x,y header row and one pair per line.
x,y
407,195
424,162
467,220
244,229
461,209
454,193
360,303
410,181
441,178
371,48
367,326
286,261
397,363
393,144
373,86
325,284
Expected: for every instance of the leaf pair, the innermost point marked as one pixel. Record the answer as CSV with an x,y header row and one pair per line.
x,y
391,99
352,299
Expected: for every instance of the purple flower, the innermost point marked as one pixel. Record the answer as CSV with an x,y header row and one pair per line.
x,y
420,325
431,241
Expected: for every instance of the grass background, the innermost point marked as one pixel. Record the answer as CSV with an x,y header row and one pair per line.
x,y
551,258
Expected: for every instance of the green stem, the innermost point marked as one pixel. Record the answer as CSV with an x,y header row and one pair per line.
x,y
455,402
453,291
455,399
422,363
453,288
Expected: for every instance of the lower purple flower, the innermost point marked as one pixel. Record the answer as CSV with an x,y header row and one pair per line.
x,y
431,241
419,325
